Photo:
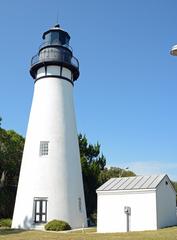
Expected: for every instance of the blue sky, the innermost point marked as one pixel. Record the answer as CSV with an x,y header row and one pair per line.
x,y
126,96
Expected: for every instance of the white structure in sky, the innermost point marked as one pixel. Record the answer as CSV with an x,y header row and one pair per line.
x,y
50,183
136,204
173,51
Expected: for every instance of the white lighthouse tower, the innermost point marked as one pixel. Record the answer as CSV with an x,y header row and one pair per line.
x,y
50,183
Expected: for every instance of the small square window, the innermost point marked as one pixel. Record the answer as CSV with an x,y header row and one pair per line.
x,y
44,148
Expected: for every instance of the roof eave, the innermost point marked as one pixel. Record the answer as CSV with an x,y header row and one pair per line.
x,y
104,192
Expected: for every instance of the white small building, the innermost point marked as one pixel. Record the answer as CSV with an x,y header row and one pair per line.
x,y
136,204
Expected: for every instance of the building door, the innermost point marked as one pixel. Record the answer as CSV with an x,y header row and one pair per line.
x,y
40,210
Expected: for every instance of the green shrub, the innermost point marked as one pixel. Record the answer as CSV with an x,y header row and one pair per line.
x,y
57,225
93,218
5,222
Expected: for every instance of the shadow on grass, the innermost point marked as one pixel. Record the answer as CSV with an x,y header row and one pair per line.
x,y
7,231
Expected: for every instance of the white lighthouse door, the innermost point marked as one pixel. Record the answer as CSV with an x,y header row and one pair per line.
x,y
40,211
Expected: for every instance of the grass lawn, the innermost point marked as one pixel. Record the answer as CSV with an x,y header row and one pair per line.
x,y
90,234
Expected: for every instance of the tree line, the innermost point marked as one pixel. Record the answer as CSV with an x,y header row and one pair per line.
x,y
11,149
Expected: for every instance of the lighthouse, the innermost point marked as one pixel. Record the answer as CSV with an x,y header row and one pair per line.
x,y
50,183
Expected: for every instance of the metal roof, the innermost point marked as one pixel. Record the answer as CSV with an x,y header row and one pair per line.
x,y
132,183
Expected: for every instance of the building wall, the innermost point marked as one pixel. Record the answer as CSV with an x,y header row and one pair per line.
x,y
166,204
111,216
57,176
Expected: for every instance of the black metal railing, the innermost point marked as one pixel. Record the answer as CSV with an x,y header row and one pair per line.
x,y
61,55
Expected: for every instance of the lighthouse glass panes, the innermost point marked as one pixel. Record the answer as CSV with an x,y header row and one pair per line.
x,y
44,148
53,70
40,210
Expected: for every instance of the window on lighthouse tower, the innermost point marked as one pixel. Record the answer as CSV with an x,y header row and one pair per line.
x,y
44,148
